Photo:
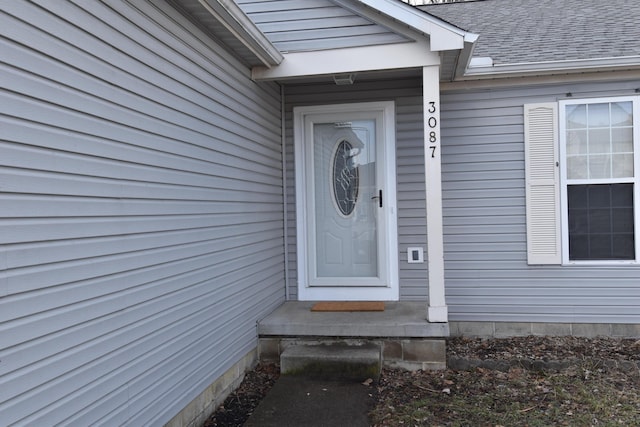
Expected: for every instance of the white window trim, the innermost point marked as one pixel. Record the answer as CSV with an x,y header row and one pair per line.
x,y
564,211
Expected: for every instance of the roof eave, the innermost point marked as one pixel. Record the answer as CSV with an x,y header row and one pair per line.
x,y
463,60
229,14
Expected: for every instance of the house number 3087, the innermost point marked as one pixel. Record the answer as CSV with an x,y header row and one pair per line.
x,y
432,122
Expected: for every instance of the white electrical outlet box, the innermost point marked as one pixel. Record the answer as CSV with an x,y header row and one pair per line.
x,y
415,255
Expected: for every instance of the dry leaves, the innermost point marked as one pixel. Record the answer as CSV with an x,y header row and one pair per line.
x,y
587,393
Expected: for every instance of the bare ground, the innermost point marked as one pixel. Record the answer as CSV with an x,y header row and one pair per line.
x,y
524,381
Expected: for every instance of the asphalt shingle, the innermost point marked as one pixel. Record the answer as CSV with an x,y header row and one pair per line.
x,y
525,31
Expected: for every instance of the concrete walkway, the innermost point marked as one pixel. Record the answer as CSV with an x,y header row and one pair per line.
x,y
310,401
300,401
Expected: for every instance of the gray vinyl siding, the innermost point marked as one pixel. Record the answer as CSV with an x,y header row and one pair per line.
x,y
140,212
304,25
409,163
487,276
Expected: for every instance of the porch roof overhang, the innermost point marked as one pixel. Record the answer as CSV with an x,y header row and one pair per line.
x,y
429,38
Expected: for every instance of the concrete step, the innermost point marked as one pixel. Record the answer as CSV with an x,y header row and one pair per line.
x,y
333,361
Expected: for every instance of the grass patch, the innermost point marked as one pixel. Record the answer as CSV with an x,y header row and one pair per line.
x,y
582,395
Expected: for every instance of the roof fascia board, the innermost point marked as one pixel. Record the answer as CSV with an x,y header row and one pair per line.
x,y
229,14
350,60
552,67
463,60
444,36
549,79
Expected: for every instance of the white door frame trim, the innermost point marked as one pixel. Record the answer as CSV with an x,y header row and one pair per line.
x,y
378,293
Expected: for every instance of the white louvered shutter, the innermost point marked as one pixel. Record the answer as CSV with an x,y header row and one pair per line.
x,y
542,184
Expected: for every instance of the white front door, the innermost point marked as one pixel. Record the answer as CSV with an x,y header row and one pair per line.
x,y
345,183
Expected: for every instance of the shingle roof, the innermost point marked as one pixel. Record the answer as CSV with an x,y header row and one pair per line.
x,y
525,31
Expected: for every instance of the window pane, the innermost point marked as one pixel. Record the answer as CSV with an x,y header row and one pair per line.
x,y
576,116
578,247
579,223
623,244
623,165
599,166
622,140
621,113
622,219
577,196
599,141
598,115
601,222
623,197
577,167
577,142
600,246
599,196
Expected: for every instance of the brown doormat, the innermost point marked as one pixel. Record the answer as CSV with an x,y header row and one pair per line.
x,y
349,306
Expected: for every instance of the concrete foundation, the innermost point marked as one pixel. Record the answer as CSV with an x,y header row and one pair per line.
x,y
196,413
514,329
407,353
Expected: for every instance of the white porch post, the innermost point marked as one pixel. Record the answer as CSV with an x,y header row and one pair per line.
x,y
437,309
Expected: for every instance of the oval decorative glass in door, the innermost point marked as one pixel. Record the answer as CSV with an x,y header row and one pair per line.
x,y
345,178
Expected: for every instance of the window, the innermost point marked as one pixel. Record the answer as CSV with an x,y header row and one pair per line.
x,y
598,179
583,181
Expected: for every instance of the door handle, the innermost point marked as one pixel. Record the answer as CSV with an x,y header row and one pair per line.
x,y
379,197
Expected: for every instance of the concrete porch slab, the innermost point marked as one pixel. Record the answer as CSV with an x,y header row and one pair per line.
x,y
405,319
